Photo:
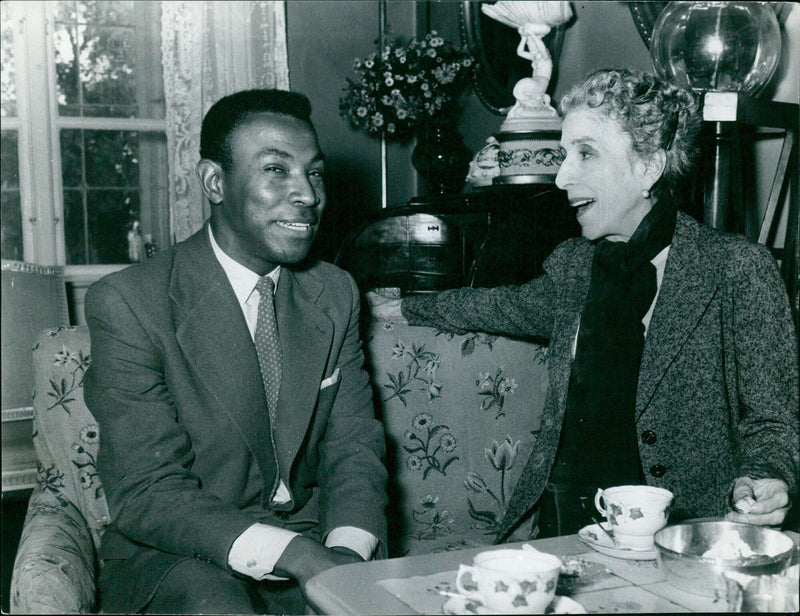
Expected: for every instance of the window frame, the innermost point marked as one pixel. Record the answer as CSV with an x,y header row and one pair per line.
x,y
38,125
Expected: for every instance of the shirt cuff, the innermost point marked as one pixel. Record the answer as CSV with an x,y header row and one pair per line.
x,y
357,539
255,552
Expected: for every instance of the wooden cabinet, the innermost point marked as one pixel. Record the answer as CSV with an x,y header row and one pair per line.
x,y
496,235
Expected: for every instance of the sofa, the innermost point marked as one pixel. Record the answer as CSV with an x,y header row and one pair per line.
x,y
461,414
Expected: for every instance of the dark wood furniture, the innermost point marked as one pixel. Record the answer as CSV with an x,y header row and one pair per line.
x,y
486,237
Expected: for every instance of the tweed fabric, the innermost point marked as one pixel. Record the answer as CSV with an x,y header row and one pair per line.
x,y
175,386
268,345
718,384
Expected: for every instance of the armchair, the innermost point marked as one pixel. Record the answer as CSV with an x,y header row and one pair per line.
x,y
461,416
56,563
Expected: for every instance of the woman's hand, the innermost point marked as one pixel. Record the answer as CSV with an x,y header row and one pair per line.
x,y
759,501
385,307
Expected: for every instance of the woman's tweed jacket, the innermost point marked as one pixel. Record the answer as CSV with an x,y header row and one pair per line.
x,y
718,384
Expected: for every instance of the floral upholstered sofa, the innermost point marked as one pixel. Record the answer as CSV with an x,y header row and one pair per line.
x,y
461,414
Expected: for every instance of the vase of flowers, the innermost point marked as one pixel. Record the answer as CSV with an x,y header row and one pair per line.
x,y
411,88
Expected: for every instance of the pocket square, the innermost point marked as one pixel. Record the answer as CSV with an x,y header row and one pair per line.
x,y
331,379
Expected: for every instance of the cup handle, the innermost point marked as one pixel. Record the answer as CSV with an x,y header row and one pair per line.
x,y
469,594
597,505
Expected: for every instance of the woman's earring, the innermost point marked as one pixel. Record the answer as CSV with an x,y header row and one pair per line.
x,y
645,194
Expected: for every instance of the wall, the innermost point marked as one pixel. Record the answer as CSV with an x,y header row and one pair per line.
x,y
326,35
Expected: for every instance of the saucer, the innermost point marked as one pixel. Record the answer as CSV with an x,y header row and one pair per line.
x,y
595,538
461,605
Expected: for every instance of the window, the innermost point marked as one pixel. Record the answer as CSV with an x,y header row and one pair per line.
x,y
10,214
84,172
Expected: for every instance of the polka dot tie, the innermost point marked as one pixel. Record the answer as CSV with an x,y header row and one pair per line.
x,y
268,346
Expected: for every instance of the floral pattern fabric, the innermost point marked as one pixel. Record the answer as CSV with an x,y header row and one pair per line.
x,y
54,570
462,415
65,433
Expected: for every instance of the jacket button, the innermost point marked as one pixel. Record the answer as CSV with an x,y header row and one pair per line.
x,y
282,515
648,437
657,470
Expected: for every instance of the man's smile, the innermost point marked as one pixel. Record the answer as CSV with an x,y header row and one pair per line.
x,y
297,227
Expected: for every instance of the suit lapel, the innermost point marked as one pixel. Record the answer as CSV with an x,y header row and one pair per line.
x,y
575,288
575,276
213,335
686,291
306,333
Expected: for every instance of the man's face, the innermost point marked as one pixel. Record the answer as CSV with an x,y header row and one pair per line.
x,y
273,195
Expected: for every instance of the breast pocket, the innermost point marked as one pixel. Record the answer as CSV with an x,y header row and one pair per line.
x,y
331,380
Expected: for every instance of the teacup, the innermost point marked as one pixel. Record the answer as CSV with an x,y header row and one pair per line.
x,y
511,581
634,513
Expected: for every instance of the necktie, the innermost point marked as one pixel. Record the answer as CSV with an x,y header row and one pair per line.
x,y
268,347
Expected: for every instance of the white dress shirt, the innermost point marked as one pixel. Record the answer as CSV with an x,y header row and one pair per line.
x,y
255,552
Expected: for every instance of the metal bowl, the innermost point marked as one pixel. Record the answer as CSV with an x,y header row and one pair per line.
x,y
680,549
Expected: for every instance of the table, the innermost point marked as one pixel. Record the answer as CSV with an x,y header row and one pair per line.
x,y
622,586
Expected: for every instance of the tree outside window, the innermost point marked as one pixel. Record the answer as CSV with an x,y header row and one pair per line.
x,y
105,122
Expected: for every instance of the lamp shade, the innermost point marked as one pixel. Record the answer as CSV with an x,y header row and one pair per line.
x,y
717,46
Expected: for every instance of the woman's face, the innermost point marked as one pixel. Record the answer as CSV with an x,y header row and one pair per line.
x,y
602,175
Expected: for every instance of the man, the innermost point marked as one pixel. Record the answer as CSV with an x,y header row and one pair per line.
x,y
238,461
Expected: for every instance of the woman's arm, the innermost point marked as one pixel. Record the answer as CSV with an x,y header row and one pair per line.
x,y
766,365
521,311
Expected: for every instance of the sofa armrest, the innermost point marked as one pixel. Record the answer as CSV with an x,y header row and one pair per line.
x,y
56,563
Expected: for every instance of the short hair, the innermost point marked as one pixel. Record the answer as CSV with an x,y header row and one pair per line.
x,y
231,111
654,113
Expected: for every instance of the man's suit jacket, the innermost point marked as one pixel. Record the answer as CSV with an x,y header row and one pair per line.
x,y
185,454
718,385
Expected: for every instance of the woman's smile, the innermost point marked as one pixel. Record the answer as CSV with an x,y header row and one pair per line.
x,y
602,176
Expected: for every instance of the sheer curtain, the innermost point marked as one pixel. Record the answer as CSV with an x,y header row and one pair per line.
x,y
211,49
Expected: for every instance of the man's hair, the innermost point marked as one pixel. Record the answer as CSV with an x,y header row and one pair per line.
x,y
231,111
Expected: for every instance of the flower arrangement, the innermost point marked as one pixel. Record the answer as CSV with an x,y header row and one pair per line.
x,y
402,84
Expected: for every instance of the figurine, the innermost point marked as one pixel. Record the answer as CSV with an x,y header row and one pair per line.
x,y
533,21
531,92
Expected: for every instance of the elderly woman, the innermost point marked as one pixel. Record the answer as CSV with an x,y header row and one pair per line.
x,y
673,357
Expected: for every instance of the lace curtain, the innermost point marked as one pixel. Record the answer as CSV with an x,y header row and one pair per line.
x,y
211,49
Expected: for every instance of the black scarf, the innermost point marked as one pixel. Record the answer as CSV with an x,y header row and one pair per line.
x,y
598,445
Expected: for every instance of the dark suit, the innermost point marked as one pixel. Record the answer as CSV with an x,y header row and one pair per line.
x,y
717,396
185,453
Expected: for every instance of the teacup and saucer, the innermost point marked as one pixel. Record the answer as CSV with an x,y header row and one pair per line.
x,y
634,513
510,581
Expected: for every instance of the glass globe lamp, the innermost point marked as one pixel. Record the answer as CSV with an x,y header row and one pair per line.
x,y
717,46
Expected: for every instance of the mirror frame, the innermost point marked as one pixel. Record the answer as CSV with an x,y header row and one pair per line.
x,y
644,16
495,96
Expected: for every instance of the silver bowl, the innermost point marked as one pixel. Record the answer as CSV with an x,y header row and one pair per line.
x,y
680,549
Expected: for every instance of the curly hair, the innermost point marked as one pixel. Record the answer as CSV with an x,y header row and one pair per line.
x,y
655,115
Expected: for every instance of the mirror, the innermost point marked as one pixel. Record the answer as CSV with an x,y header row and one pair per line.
x,y
494,47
